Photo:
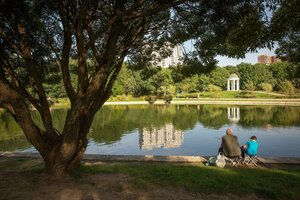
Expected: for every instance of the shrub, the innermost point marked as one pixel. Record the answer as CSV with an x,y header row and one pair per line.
x,y
168,98
213,88
267,87
287,87
249,85
151,99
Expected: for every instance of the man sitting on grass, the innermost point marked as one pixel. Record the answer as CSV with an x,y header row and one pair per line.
x,y
230,146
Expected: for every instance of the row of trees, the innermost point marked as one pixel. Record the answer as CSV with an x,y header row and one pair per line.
x,y
281,76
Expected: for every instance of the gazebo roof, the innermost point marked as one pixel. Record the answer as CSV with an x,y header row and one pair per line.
x,y
233,76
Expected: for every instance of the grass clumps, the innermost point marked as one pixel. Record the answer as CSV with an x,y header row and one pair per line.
x,y
267,183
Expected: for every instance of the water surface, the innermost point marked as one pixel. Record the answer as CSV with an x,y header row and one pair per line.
x,y
175,130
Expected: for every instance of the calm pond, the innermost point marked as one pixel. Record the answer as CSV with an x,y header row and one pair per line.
x,y
175,130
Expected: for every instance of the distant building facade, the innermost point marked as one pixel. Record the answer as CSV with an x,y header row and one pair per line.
x,y
265,59
174,59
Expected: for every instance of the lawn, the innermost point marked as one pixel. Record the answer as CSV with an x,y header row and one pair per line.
x,y
232,94
221,95
266,183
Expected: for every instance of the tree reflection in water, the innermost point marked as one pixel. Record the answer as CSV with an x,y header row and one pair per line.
x,y
113,122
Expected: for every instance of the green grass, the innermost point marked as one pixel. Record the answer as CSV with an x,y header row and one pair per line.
x,y
65,102
231,94
61,103
267,183
223,95
125,98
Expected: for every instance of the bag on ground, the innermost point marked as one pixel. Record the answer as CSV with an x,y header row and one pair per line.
x,y
220,162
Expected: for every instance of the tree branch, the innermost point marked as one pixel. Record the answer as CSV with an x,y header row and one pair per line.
x,y
82,53
12,101
64,63
17,84
31,65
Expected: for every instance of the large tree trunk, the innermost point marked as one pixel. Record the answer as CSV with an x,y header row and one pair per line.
x,y
62,152
60,163
67,154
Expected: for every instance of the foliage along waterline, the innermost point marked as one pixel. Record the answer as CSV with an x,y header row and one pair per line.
x,y
113,122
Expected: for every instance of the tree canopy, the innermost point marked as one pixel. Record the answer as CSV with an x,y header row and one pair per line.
x,y
36,35
286,30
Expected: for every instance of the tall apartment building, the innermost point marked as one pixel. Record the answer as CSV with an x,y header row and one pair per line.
x,y
174,59
265,59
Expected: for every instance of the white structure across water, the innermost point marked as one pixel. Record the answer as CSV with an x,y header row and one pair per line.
x,y
163,137
174,59
233,114
233,83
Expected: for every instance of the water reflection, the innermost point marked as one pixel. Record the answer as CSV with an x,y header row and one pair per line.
x,y
233,114
267,127
163,137
144,129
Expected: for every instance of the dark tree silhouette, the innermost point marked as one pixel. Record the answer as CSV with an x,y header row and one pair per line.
x,y
36,34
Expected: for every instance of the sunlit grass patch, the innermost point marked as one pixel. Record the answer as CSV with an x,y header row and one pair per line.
x,y
268,183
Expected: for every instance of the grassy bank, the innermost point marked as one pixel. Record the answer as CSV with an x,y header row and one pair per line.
x,y
206,96
267,183
238,95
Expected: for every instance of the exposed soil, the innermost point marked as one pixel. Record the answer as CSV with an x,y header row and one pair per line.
x,y
25,185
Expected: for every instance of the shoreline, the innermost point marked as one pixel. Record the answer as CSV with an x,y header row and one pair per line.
x,y
152,158
279,102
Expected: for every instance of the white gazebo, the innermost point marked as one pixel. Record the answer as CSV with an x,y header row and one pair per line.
x,y
233,82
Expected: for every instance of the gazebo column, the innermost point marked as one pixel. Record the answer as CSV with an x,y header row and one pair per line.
x,y
238,84
233,85
228,85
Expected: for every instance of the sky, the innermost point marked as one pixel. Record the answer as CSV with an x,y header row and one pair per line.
x,y
249,58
